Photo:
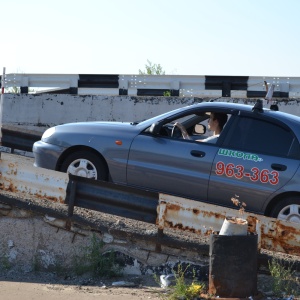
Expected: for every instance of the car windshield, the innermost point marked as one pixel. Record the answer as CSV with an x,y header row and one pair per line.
x,y
161,116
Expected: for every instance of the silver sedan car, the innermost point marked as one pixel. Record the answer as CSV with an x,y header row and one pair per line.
x,y
256,156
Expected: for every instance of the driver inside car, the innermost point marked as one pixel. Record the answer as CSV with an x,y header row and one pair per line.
x,y
216,123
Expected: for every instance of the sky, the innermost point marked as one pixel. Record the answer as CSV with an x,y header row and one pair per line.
x,y
186,37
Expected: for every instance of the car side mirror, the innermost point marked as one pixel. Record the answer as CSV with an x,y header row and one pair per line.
x,y
199,129
155,128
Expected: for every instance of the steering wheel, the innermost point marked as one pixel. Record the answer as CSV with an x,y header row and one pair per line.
x,y
184,133
173,130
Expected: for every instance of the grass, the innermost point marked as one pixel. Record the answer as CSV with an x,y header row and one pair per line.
x,y
4,258
4,262
284,282
88,259
181,288
92,260
36,263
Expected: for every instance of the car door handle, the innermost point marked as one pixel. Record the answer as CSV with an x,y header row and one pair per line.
x,y
198,153
278,167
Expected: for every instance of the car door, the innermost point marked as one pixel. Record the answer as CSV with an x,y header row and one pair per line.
x,y
172,166
255,160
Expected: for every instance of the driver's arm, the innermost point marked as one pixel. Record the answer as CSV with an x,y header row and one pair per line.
x,y
185,135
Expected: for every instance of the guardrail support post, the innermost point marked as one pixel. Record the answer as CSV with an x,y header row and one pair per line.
x,y
161,211
160,234
71,203
72,199
2,104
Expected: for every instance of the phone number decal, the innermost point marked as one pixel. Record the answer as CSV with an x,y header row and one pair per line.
x,y
255,174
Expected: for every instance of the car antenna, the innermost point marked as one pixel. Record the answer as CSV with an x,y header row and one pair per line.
x,y
258,107
274,107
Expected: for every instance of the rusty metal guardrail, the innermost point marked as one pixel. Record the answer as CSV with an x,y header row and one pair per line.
x,y
18,140
19,177
165,211
205,219
111,198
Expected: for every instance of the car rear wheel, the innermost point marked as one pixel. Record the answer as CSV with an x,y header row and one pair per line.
x,y
85,164
287,209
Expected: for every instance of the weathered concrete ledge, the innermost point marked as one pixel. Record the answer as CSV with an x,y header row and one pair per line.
x,y
43,232
39,231
33,113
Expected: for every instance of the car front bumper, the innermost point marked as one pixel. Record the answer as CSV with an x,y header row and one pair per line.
x,y
46,155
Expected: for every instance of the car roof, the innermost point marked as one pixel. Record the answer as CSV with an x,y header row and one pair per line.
x,y
229,106
226,105
283,116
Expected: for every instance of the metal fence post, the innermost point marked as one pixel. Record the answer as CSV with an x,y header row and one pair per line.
x,y
1,103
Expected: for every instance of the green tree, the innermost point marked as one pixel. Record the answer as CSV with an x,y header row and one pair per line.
x,y
13,90
152,69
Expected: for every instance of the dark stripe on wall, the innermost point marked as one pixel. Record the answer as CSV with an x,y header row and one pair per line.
x,y
156,92
98,81
281,94
262,94
123,92
175,93
24,89
236,82
256,94
226,84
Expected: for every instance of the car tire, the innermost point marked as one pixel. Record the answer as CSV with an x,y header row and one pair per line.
x,y
287,209
85,164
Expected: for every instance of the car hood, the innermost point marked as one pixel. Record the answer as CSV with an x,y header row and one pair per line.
x,y
83,132
95,126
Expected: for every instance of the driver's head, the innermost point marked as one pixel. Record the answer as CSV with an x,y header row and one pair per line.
x,y
217,121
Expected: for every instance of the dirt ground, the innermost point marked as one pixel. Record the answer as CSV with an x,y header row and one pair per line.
x,y
47,287
34,291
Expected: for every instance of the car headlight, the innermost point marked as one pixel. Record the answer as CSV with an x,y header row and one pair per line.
x,y
48,133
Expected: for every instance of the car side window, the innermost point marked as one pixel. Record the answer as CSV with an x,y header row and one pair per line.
x,y
255,135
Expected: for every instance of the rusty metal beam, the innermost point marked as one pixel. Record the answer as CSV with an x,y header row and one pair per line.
x,y
20,177
205,219
107,197
18,139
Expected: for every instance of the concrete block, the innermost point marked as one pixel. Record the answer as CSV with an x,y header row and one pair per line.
x,y
156,259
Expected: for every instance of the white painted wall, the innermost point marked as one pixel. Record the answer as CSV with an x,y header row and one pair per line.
x,y
38,112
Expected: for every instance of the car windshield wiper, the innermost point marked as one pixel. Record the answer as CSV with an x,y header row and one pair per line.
x,y
134,123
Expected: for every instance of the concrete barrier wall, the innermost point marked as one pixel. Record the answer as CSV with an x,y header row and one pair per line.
x,y
38,112
36,241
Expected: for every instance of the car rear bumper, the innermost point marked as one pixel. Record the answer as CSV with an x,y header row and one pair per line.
x,y
46,155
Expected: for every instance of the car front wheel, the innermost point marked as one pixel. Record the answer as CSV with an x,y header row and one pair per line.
x,y
287,209
85,164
